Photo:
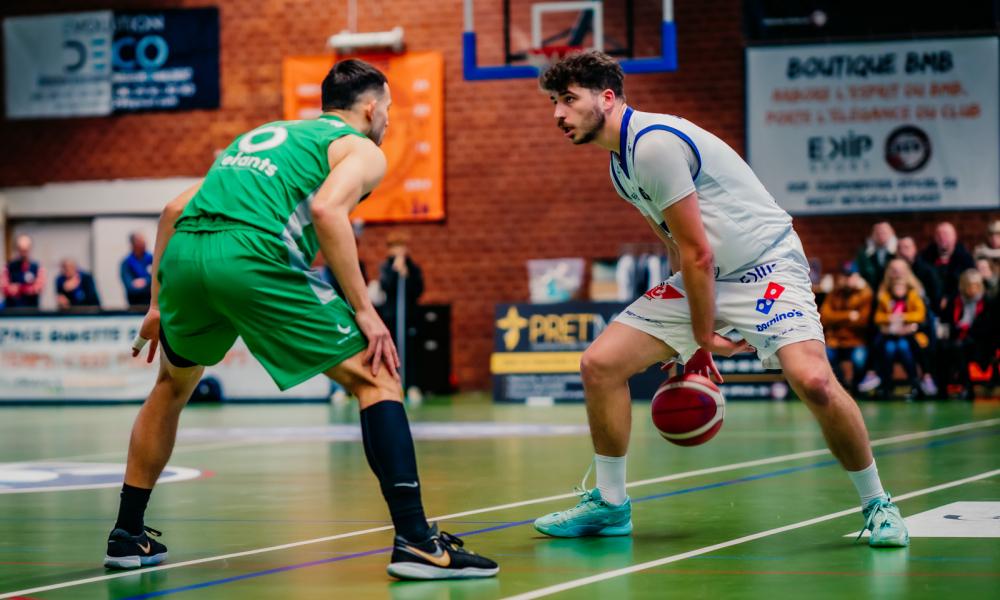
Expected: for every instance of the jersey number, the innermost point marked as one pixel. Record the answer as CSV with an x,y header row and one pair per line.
x,y
275,136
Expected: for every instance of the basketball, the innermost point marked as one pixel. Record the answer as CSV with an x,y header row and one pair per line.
x,y
688,410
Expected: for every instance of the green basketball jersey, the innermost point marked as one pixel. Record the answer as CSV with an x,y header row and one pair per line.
x,y
266,180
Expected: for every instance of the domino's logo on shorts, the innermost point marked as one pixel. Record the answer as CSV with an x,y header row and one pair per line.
x,y
772,293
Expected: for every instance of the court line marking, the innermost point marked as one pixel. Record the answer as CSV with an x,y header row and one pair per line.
x,y
730,467
569,585
466,534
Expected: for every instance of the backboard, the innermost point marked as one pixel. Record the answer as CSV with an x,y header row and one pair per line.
x,y
532,30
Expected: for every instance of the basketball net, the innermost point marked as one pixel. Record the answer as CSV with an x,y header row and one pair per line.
x,y
543,58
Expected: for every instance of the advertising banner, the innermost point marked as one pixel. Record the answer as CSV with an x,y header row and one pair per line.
x,y
876,127
79,358
537,351
166,59
413,188
58,65
101,62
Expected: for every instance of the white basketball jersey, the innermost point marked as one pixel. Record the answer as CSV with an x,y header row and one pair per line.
x,y
741,218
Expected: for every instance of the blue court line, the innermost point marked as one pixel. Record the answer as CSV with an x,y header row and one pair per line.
x,y
726,483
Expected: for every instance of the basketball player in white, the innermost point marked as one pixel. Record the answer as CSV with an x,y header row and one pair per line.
x,y
742,268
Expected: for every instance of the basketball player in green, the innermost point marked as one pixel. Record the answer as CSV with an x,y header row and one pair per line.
x,y
232,259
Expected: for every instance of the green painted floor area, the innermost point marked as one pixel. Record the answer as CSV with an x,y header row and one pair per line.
x,y
271,477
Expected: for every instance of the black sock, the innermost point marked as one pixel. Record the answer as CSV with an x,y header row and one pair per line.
x,y
132,508
385,433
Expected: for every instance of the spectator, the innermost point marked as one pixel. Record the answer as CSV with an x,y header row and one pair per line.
x,y
402,281
991,279
75,287
985,333
960,315
878,250
899,314
137,271
23,279
949,258
845,314
989,253
925,273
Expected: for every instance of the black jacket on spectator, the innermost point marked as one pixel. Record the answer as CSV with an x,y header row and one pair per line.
x,y
931,280
871,263
985,333
950,271
85,294
389,281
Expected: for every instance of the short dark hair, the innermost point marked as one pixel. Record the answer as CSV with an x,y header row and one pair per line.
x,y
347,81
591,69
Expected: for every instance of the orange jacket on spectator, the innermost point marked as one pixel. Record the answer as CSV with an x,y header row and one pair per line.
x,y
841,330
915,311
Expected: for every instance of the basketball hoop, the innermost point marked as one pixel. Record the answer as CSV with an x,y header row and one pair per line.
x,y
545,56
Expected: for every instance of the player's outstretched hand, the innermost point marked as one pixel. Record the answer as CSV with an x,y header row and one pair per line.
x,y
149,331
381,349
724,346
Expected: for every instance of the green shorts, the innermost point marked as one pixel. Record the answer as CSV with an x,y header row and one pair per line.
x,y
216,285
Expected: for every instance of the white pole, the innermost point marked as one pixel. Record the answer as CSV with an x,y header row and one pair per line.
x,y
401,328
468,16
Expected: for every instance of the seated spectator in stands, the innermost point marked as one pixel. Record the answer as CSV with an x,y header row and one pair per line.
x,y
845,314
22,279
949,258
985,334
878,250
74,287
959,316
925,273
991,279
899,312
137,271
987,257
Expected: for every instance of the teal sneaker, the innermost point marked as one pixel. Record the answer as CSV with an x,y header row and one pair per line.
x,y
591,517
888,530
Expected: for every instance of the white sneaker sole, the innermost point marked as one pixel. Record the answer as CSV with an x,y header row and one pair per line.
x,y
408,570
133,562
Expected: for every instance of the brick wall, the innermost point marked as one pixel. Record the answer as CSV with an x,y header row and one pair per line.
x,y
515,189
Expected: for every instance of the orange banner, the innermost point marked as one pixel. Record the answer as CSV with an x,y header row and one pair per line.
x,y
413,188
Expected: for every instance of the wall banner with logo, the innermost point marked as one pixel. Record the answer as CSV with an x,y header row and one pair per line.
x,y
873,127
413,188
537,350
100,62
84,358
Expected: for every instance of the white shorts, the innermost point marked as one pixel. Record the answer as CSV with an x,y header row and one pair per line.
x,y
770,303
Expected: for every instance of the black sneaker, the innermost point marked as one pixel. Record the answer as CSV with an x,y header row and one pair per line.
x,y
127,551
440,557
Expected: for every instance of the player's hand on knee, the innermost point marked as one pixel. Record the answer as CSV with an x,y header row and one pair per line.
x,y
381,349
149,331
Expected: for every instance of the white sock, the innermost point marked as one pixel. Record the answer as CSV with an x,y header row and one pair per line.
x,y
867,483
611,478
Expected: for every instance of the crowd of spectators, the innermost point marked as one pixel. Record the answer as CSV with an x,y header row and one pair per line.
x,y
23,279
926,322
916,323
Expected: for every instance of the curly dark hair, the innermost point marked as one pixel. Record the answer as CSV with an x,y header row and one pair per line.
x,y
591,69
